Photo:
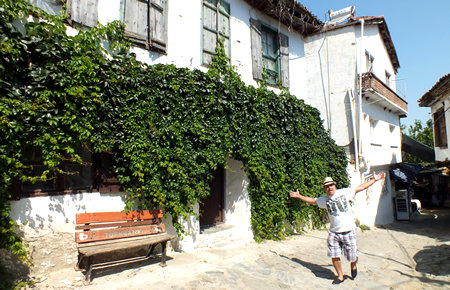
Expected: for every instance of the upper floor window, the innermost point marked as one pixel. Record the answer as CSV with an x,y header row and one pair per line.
x,y
84,12
376,136
146,23
440,131
270,53
216,24
369,62
388,78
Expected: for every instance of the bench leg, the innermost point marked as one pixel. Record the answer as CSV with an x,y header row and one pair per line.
x,y
80,259
163,256
150,250
89,270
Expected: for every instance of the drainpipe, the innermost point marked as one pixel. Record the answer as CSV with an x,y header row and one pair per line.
x,y
361,49
355,139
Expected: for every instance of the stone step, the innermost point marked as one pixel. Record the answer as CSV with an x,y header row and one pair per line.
x,y
223,236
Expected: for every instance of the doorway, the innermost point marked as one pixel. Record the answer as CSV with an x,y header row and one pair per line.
x,y
212,207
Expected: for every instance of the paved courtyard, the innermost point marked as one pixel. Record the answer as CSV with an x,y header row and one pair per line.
x,y
404,255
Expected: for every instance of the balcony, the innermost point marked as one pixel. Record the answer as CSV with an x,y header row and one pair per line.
x,y
374,90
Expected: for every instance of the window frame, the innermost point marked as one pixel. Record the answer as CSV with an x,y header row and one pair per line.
x,y
266,30
102,178
388,78
440,130
149,39
222,9
369,62
58,183
256,30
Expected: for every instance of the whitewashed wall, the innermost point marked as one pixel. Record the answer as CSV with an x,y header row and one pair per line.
x,y
333,62
331,73
373,43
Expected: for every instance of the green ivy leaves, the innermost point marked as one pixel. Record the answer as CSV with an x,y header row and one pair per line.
x,y
169,128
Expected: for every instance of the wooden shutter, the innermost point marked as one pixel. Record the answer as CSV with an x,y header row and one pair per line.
x,y
136,20
255,35
284,60
84,11
158,25
440,132
223,25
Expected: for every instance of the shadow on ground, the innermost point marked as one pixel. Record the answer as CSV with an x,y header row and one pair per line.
x,y
318,270
433,260
433,223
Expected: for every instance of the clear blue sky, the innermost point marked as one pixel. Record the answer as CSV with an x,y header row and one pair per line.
x,y
420,31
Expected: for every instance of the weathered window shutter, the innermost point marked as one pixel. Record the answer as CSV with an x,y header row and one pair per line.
x,y
84,11
158,27
216,24
136,20
224,26
440,132
284,60
255,35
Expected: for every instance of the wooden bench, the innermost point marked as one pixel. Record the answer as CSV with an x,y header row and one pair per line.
x,y
106,232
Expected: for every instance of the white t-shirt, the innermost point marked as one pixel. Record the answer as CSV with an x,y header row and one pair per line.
x,y
338,208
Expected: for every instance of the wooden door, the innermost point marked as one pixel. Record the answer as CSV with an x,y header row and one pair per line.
x,y
212,207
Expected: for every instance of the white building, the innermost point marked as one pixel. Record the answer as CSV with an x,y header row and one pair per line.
x,y
256,34
438,100
351,79
347,71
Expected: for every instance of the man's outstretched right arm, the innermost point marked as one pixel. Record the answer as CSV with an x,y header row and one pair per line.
x,y
307,199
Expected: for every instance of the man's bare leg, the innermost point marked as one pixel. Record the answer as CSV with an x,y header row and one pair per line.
x,y
353,268
338,267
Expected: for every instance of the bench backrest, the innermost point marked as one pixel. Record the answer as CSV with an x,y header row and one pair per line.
x,y
100,226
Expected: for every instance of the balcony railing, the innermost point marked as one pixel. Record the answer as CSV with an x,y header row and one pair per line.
x,y
374,87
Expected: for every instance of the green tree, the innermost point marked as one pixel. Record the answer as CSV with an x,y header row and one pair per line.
x,y
422,133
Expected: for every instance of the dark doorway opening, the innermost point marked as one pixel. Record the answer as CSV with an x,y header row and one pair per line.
x,y
212,207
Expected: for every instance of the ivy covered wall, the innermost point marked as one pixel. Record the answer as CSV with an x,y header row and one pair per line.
x,y
167,127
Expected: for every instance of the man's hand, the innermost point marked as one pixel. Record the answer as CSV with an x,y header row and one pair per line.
x,y
294,194
378,176
307,199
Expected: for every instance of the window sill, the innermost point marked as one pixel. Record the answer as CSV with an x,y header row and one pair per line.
x,y
39,193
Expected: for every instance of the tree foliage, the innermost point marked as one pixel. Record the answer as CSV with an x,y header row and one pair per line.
x,y
419,132
168,127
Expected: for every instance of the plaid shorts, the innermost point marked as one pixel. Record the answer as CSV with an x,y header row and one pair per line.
x,y
342,242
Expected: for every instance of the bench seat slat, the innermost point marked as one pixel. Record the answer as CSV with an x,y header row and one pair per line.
x,y
121,244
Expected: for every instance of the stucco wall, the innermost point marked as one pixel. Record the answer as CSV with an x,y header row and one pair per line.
x,y
330,58
373,43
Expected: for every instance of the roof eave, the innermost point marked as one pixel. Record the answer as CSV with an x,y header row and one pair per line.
x,y
430,97
292,14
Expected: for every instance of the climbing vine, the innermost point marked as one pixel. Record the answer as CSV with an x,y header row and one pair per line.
x,y
167,127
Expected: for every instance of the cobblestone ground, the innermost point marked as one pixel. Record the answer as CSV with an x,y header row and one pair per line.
x,y
404,255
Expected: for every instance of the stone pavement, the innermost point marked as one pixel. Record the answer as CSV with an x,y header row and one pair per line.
x,y
404,255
